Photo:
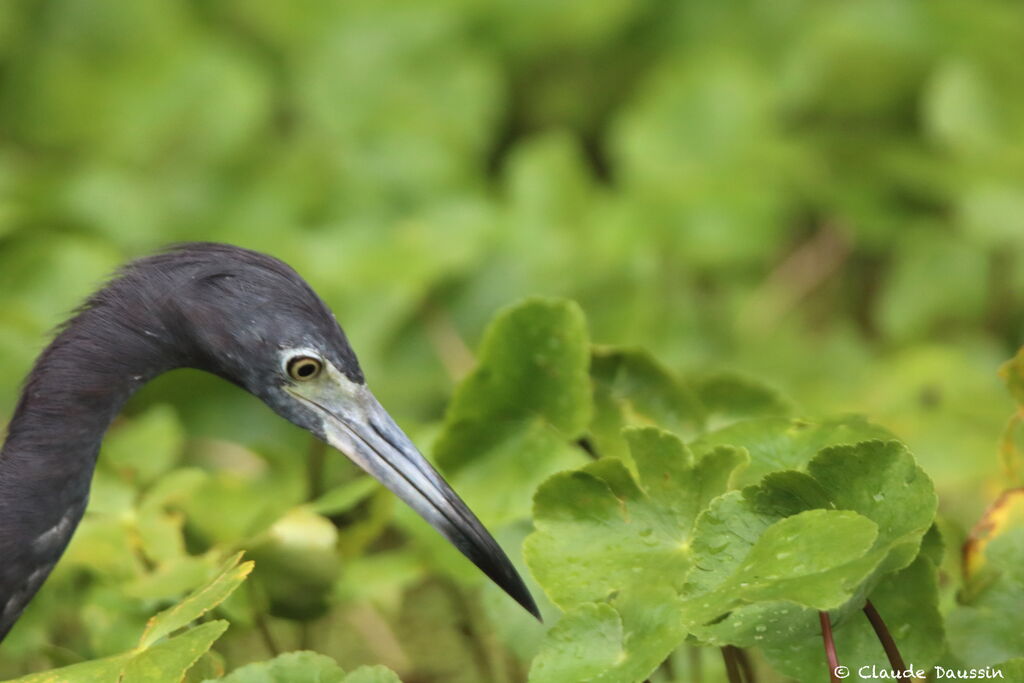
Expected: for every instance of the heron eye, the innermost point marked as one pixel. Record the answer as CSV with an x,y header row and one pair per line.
x,y
304,368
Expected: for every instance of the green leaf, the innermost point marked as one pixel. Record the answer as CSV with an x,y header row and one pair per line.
x,y
933,545
599,530
115,619
512,418
631,388
232,505
307,667
166,661
960,107
1003,515
160,534
881,481
875,482
549,186
804,559
987,628
521,454
106,670
173,578
174,488
200,602
781,494
621,641
728,397
908,603
786,444
170,659
145,447
291,667
585,642
102,545
345,497
532,362
210,665
372,674
664,465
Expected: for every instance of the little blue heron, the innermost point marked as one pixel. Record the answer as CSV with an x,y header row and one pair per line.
x,y
242,315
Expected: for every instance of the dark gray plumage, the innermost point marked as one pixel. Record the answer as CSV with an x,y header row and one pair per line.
x,y
239,314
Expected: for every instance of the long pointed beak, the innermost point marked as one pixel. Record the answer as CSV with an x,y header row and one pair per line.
x,y
360,428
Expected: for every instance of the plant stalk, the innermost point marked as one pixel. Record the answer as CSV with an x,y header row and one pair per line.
x,y
882,631
830,647
745,666
732,667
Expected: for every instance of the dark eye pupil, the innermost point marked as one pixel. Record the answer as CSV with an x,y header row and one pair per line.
x,y
303,368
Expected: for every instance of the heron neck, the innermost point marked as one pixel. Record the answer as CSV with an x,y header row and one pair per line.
x,y
77,387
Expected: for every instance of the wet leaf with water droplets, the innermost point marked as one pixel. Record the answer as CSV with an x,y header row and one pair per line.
x,y
599,530
514,417
623,640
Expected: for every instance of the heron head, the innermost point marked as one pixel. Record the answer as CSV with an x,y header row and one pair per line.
x,y
254,321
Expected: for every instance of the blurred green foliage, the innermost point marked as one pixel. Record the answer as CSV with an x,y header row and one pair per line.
x,y
827,196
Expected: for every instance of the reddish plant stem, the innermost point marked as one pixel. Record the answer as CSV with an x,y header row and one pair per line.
x,y
732,667
830,647
882,631
745,666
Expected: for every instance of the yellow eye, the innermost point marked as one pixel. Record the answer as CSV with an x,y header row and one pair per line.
x,y
304,368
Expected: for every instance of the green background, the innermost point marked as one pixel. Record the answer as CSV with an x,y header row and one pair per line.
x,y
828,196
